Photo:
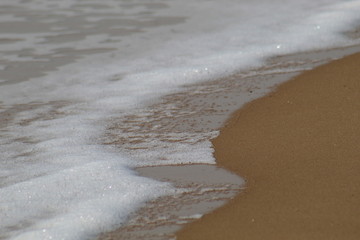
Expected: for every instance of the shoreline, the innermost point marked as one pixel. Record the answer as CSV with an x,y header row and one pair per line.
x,y
107,106
228,98
296,148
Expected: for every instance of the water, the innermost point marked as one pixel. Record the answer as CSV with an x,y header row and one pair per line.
x,y
76,81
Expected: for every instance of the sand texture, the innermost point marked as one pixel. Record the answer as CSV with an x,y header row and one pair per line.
x,y
298,148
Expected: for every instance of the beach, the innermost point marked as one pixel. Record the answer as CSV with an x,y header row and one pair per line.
x,y
297,149
108,112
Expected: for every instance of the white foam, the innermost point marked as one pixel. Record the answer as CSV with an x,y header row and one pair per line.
x,y
75,203
72,189
57,180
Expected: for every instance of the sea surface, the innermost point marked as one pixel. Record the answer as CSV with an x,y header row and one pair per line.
x,y
90,90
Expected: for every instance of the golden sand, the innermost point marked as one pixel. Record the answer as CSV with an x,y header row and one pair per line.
x,y
298,148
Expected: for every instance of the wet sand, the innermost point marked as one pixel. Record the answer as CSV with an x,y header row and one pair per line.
x,y
298,149
200,189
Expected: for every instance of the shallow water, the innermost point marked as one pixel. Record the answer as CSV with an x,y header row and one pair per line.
x,y
90,90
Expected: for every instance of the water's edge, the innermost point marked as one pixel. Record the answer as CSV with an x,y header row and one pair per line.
x,y
209,188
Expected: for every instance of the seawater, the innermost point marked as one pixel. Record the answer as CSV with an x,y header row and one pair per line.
x,y
76,81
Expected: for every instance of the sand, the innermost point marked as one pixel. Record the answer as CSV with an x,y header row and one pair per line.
x,y
298,149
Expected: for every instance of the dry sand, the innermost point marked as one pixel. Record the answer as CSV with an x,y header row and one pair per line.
x,y
298,148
